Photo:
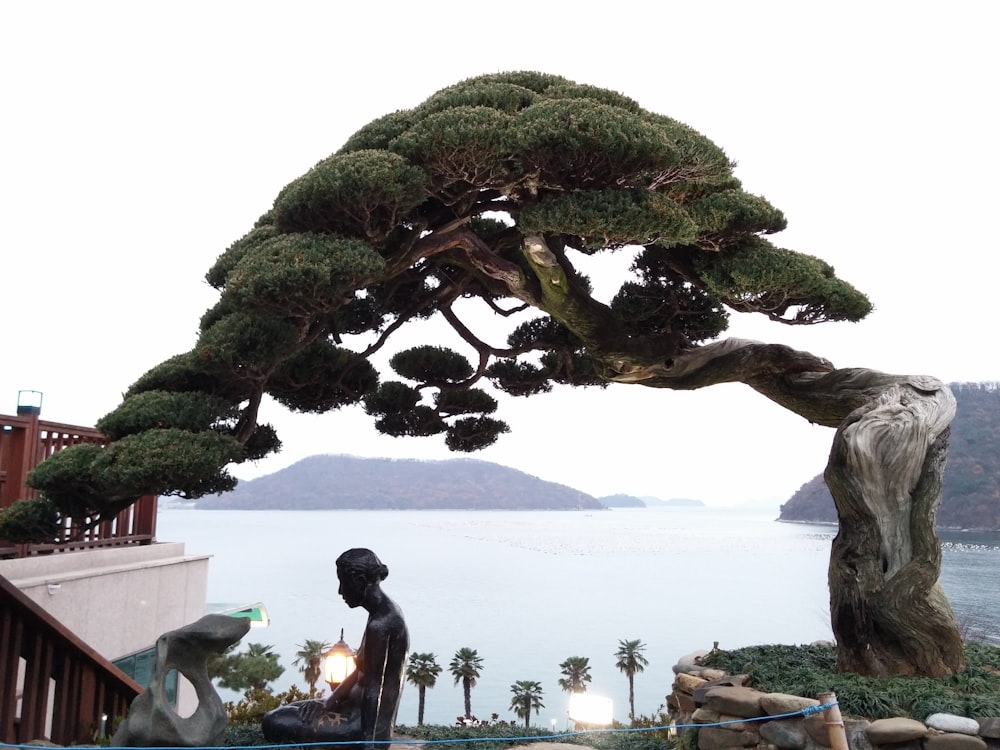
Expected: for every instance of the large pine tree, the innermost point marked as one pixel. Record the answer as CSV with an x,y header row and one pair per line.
x,y
488,198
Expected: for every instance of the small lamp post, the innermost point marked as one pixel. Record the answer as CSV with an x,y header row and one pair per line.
x,y
338,662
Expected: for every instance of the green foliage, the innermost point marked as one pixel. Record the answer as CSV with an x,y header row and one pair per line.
x,y
391,397
379,133
463,144
183,372
30,522
247,670
431,364
485,730
322,377
300,274
244,734
630,660
429,208
464,667
652,735
629,657
753,274
729,213
474,433
362,194
526,696
467,401
247,344
519,378
218,274
481,93
585,143
811,670
576,674
309,660
479,732
422,669
183,410
612,218
652,309
262,442
245,715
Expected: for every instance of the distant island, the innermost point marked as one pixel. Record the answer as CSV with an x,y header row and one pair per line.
x,y
970,493
329,482
631,501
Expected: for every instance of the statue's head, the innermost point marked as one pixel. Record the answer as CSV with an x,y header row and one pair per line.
x,y
357,570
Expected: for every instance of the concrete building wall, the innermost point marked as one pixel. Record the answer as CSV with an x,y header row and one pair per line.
x,y
118,600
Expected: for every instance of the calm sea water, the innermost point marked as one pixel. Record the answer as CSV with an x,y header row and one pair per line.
x,y
529,589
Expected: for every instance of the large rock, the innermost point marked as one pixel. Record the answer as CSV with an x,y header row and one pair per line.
x,y
898,729
989,728
788,734
953,723
953,741
152,720
742,702
704,715
688,683
778,704
690,662
685,703
719,738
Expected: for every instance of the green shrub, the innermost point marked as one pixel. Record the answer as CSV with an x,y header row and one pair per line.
x,y
30,522
616,739
811,670
258,701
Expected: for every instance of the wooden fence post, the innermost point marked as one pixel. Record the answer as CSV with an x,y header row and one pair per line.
x,y
834,721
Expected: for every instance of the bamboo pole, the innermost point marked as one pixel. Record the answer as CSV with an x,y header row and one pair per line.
x,y
834,722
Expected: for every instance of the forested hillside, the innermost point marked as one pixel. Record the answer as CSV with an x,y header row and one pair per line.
x,y
351,483
970,497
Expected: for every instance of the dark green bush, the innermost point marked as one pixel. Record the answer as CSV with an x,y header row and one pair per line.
x,y
811,670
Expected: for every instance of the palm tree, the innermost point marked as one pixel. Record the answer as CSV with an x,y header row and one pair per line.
x,y
309,660
527,696
630,661
422,671
465,666
577,674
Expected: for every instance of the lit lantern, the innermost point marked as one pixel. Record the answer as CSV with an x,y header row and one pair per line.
x,y
590,710
338,662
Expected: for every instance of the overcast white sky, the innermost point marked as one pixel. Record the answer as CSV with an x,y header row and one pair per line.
x,y
140,139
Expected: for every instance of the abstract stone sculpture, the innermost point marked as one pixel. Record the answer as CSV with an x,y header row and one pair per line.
x,y
152,721
362,709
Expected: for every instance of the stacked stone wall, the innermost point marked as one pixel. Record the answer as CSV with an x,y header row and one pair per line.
x,y
730,716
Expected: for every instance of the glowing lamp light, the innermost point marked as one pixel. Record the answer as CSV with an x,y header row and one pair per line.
x,y
338,662
594,710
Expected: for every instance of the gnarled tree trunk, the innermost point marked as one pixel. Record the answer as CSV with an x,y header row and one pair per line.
x,y
888,611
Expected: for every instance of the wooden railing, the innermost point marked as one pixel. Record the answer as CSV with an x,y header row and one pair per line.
x,y
25,441
51,682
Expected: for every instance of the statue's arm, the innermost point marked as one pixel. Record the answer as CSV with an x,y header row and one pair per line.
x,y
385,657
341,695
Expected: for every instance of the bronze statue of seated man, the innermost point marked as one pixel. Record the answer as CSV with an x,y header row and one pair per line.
x,y
362,708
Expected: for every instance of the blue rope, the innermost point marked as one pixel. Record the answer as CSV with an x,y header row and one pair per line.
x,y
807,711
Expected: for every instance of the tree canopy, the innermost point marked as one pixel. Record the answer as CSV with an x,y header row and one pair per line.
x,y
483,199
